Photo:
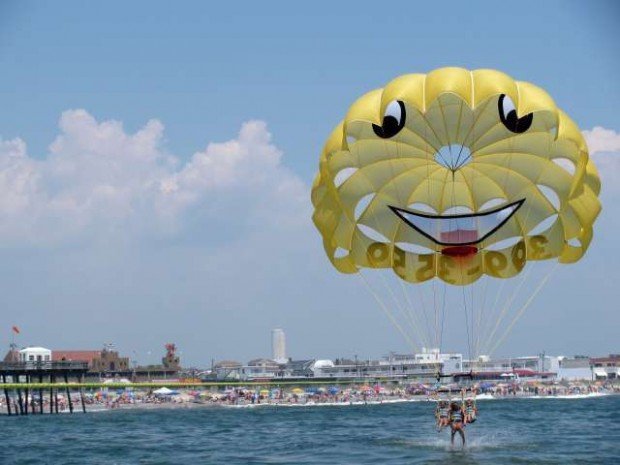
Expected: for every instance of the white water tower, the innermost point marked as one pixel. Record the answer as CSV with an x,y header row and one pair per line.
x,y
278,345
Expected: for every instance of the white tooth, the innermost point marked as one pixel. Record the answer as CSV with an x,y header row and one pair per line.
x,y
472,227
458,210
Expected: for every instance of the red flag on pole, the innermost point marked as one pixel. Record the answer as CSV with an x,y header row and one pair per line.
x,y
15,329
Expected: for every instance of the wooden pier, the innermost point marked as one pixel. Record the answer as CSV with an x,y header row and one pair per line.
x,y
24,382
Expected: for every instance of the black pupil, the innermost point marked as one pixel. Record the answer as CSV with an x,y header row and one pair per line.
x,y
512,122
511,118
391,124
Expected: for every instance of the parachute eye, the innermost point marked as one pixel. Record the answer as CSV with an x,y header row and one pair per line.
x,y
393,121
508,116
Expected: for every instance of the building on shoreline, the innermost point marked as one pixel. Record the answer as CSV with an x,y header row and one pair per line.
x,y
575,368
170,366
536,366
606,367
35,354
424,367
104,363
278,345
428,366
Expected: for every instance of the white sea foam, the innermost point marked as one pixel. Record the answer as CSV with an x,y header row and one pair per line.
x,y
458,397
325,404
570,396
443,443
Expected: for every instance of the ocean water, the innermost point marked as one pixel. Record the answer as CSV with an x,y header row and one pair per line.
x,y
519,431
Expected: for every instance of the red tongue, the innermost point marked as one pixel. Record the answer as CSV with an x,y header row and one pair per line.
x,y
457,237
460,250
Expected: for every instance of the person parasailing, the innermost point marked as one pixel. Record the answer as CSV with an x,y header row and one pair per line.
x,y
470,410
442,413
457,424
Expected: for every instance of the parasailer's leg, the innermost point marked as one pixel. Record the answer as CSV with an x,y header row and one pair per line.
x,y
455,429
445,421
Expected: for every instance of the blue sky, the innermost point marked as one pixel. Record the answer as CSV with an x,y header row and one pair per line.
x,y
198,72
204,70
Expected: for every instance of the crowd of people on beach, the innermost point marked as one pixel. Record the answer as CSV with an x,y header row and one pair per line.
x,y
252,396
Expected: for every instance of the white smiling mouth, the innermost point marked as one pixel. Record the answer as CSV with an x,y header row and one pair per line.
x,y
458,230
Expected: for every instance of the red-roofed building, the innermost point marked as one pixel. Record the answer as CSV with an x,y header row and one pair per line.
x,y
99,361
75,355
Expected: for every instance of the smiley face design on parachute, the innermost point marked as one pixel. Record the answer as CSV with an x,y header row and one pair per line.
x,y
455,174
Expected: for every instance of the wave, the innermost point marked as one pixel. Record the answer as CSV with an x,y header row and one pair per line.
x,y
325,404
443,443
570,396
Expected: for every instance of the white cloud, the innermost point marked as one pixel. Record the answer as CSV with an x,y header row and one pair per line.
x,y
604,146
99,182
110,237
243,256
601,140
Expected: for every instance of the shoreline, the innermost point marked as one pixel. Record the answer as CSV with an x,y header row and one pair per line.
x,y
98,408
130,398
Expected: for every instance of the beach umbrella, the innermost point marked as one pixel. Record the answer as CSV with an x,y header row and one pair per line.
x,y
333,390
164,391
297,391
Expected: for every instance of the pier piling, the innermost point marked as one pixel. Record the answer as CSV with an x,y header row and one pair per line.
x,y
26,392
28,377
6,396
51,394
41,395
20,400
55,398
82,394
68,392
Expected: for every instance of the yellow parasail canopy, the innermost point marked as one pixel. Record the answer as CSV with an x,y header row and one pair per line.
x,y
455,174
